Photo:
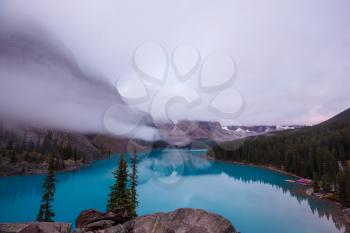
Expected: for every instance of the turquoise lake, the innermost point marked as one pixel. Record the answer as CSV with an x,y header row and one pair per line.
x,y
254,199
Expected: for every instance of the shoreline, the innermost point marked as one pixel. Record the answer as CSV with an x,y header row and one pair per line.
x,y
272,168
342,210
44,171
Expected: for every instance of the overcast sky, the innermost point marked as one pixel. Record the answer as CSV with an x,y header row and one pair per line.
x,y
292,56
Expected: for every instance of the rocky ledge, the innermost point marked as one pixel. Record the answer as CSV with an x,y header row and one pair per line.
x,y
35,227
92,221
178,221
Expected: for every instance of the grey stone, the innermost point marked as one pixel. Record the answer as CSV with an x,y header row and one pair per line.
x,y
35,227
178,221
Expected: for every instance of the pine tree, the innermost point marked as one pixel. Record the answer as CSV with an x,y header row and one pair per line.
x,y
346,202
1,130
9,145
40,215
38,145
326,184
133,178
24,141
315,183
120,194
341,191
13,158
26,156
45,212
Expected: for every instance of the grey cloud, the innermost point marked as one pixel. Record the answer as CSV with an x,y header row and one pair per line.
x,y
292,56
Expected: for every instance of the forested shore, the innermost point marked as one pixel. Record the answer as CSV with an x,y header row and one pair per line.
x,y
321,153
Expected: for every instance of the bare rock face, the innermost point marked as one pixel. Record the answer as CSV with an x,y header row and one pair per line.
x,y
35,227
178,221
183,221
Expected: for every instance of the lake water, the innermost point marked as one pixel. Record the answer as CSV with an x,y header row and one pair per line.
x,y
254,199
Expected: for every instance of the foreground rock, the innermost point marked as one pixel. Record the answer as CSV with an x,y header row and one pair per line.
x,y
35,227
183,221
92,221
178,221
89,220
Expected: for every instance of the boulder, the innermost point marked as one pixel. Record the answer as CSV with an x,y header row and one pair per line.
x,y
100,224
183,221
88,216
89,220
178,221
35,227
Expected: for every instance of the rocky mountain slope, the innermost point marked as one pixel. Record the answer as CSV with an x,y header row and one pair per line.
x,y
26,149
184,133
339,119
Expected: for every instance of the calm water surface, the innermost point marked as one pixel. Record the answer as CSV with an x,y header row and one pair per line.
x,y
255,199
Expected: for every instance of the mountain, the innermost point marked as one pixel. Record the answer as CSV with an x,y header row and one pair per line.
x,y
183,133
26,149
247,131
339,119
49,75
45,87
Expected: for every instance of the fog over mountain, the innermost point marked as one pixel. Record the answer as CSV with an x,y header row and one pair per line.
x,y
43,86
59,60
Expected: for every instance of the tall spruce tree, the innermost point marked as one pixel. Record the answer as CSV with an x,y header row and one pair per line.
x,y
120,194
133,185
46,213
326,183
13,158
341,191
316,187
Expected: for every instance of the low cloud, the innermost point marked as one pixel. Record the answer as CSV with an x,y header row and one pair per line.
x,y
42,85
